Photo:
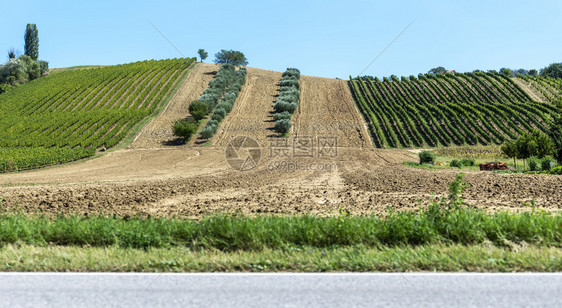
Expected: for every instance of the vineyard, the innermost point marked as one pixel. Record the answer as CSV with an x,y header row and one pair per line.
x,y
549,88
447,109
70,114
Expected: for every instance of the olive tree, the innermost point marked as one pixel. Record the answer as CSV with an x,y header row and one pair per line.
x,y
231,57
202,54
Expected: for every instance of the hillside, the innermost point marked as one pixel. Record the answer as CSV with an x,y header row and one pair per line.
x,y
545,88
152,178
68,115
447,109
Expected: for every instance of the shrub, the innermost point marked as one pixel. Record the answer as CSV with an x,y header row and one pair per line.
x,y
292,72
4,88
282,106
44,66
217,117
283,126
286,89
220,112
13,72
456,163
282,116
208,131
426,157
290,83
210,99
546,163
557,170
212,122
227,107
184,128
198,110
533,162
468,162
289,97
218,83
230,96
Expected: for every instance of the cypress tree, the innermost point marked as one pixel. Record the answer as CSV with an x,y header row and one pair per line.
x,y
32,41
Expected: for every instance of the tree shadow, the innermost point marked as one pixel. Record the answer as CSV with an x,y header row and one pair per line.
x,y
174,142
200,141
275,135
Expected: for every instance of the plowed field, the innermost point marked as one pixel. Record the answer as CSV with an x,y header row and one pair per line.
x,y
152,177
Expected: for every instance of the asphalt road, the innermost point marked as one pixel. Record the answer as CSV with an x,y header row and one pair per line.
x,y
280,290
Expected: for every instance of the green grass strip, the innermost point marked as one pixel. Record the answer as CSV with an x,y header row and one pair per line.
x,y
230,233
442,258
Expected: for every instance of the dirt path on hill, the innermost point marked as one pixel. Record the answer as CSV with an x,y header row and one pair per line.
x,y
536,96
158,132
152,179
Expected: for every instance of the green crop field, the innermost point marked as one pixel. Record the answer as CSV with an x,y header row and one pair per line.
x,y
69,115
447,109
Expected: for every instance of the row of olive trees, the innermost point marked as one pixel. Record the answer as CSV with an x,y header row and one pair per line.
x,y
288,100
217,99
226,103
186,128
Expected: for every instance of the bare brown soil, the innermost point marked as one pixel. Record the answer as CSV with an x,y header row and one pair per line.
x,y
154,178
252,115
328,110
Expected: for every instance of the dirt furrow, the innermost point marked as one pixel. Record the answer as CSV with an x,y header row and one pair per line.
x,y
252,114
327,110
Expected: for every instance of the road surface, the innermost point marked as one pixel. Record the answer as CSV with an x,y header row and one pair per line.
x,y
280,290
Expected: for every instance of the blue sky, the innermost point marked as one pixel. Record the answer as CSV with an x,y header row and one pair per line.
x,y
321,38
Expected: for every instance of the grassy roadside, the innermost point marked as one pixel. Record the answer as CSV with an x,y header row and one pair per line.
x,y
436,257
446,236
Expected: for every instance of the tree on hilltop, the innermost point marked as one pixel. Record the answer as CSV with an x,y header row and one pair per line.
x,y
202,54
437,70
231,57
31,41
554,70
506,71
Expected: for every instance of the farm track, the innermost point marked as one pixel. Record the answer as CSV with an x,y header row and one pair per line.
x,y
535,95
151,178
